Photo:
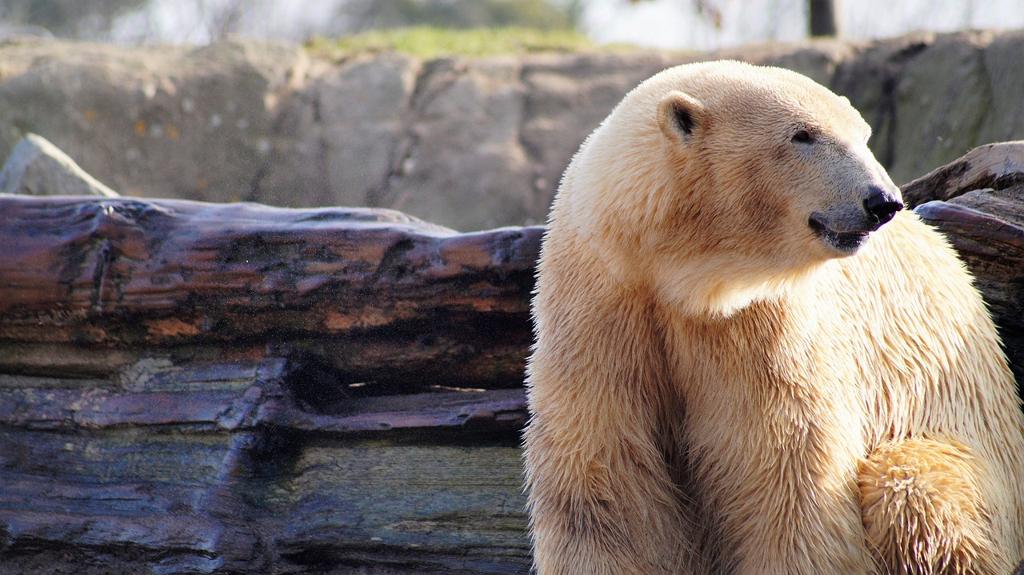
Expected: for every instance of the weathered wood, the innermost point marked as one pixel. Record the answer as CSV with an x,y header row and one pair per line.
x,y
977,201
356,288
994,166
39,407
236,467
215,503
198,388
987,229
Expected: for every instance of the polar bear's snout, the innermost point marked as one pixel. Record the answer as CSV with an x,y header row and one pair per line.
x,y
846,228
864,200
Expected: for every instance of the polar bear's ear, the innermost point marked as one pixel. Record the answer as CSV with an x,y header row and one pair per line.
x,y
680,116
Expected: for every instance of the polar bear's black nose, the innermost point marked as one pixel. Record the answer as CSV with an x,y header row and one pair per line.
x,y
880,205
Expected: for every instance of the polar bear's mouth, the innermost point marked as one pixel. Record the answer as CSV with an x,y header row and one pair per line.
x,y
842,241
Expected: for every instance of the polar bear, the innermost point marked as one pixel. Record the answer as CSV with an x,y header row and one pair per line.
x,y
749,360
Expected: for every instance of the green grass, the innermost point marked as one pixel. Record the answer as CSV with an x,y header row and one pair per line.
x,y
429,42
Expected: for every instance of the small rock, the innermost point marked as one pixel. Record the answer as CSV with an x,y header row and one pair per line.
x,y
38,168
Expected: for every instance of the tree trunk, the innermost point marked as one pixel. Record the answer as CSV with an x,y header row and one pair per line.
x,y
823,17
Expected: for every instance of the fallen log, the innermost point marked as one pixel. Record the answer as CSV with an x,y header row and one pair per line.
x,y
977,202
201,388
987,229
375,295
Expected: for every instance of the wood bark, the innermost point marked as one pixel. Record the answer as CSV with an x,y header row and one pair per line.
x,y
354,288
997,166
987,229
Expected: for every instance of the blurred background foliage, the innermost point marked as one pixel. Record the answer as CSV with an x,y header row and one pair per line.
x,y
674,24
208,20
431,42
64,18
544,14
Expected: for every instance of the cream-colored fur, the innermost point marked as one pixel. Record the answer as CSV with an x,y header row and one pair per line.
x,y
715,389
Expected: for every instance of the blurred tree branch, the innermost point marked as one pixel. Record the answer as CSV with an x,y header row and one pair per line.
x,y
822,15
704,8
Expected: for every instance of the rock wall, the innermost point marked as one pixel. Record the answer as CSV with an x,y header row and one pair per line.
x,y
468,143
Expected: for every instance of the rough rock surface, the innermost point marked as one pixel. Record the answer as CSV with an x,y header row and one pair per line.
x,y
167,121
469,143
198,388
38,168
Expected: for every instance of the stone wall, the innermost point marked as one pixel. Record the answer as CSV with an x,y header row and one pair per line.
x,y
468,143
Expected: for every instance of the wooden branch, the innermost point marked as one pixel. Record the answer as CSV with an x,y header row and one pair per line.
x,y
249,407
258,503
996,166
226,468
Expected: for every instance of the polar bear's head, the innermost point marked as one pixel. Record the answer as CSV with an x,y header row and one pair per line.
x,y
727,180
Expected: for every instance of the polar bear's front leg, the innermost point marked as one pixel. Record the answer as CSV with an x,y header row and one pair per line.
x,y
923,510
611,512
775,467
601,497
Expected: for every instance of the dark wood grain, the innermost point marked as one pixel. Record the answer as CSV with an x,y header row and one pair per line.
x,y
994,166
356,288
226,468
987,229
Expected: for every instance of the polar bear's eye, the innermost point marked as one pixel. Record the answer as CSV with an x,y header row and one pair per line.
x,y
803,137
